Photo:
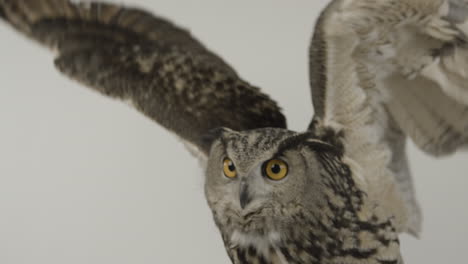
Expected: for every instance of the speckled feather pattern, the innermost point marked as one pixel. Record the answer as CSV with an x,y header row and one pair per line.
x,y
131,55
385,70
338,228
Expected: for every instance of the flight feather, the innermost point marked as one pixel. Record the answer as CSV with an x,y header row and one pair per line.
x,y
384,70
156,66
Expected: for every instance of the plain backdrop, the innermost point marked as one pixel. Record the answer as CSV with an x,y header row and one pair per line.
x,y
85,179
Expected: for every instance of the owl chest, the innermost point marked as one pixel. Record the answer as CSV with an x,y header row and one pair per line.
x,y
302,252
294,255
272,254
252,256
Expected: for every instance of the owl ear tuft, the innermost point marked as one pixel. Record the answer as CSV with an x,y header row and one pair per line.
x,y
211,136
2,13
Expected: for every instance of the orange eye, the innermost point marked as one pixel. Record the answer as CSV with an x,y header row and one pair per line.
x,y
229,168
275,169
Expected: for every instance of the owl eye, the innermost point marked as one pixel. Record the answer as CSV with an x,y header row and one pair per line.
x,y
229,168
275,169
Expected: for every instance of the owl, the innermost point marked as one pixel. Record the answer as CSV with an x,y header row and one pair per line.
x,y
341,191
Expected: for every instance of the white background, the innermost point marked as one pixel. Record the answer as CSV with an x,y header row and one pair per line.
x,y
84,179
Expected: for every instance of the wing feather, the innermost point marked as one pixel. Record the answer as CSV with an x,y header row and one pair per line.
x,y
437,123
132,55
386,70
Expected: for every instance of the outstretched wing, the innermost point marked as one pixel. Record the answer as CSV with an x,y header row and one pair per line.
x,y
385,70
159,68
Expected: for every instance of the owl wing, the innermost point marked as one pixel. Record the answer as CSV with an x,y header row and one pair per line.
x,y
382,71
157,67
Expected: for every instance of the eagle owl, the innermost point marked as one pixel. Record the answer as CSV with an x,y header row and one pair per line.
x,y
339,192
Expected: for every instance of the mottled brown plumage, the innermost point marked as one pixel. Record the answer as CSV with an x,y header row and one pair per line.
x,y
129,54
320,215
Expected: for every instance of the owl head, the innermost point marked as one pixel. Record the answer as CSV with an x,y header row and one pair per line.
x,y
261,181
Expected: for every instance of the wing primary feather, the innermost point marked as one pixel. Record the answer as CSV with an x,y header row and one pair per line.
x,y
129,54
317,63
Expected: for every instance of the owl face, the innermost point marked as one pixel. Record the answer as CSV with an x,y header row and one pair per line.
x,y
260,181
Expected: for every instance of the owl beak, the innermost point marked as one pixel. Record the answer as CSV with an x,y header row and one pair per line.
x,y
244,194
